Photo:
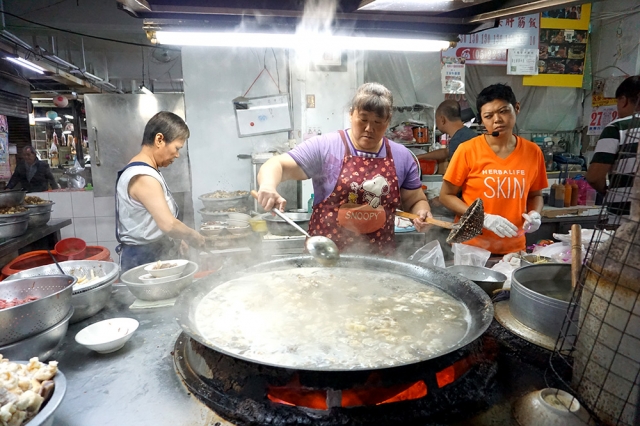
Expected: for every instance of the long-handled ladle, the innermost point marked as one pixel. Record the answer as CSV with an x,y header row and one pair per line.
x,y
321,248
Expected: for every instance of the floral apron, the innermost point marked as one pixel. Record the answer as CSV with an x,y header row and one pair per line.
x,y
359,214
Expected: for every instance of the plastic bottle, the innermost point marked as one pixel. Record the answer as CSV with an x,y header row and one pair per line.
x,y
567,193
559,198
310,204
574,193
552,195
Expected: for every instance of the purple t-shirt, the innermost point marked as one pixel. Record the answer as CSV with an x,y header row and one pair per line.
x,y
321,160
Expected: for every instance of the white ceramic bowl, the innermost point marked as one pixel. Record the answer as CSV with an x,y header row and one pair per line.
x,y
150,279
165,272
107,336
239,216
237,227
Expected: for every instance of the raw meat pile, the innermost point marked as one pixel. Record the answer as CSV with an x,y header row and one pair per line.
x,y
4,304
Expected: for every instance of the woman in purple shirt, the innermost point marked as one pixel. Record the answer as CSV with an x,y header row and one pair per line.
x,y
359,177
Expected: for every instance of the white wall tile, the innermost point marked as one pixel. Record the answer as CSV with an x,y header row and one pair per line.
x,y
106,228
62,207
82,202
104,206
68,231
85,228
43,195
111,245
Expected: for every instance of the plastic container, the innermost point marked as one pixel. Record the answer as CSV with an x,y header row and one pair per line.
x,y
559,196
590,197
552,195
33,259
310,204
567,194
574,193
71,249
428,167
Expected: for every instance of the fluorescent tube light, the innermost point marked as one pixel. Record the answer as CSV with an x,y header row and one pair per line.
x,y
24,63
298,41
41,99
146,91
34,101
70,117
41,119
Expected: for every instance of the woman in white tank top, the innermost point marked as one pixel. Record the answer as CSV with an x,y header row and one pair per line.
x,y
147,227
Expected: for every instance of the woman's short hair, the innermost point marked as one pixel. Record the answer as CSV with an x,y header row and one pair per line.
x,y
493,92
169,124
373,97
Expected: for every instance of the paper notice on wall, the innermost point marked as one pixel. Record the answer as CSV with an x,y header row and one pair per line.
x,y
4,148
600,117
522,61
453,75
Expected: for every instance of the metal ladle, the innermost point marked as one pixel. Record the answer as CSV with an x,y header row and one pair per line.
x,y
321,248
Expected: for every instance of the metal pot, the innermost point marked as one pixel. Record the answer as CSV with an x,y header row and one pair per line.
x,y
214,204
477,302
160,291
39,219
488,280
15,217
14,229
277,226
90,302
40,208
11,198
540,296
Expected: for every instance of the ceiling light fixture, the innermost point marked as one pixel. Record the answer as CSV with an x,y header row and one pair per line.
x,y
24,63
41,99
298,41
144,90
69,117
41,119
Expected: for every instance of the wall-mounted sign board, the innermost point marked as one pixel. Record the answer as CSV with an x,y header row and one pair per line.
x,y
263,115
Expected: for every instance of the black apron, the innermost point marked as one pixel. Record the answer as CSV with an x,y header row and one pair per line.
x,y
132,256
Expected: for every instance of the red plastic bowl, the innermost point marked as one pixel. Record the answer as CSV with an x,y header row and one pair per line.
x,y
71,249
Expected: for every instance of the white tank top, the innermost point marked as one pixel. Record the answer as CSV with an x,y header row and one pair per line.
x,y
135,224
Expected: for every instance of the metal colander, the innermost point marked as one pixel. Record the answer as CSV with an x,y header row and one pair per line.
x,y
53,304
105,271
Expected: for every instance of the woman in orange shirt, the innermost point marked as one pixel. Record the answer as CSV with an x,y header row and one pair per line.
x,y
506,171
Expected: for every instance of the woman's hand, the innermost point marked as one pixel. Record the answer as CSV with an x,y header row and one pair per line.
x,y
184,248
269,198
420,223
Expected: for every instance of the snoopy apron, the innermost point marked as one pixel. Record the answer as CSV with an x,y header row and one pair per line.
x,y
359,214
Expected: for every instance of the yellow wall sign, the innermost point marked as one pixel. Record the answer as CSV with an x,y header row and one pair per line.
x,y
563,47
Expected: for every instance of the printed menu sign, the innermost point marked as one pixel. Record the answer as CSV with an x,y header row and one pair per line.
x,y
562,51
489,47
522,62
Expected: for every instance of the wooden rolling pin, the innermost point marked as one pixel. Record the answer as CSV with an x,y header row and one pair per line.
x,y
576,254
429,220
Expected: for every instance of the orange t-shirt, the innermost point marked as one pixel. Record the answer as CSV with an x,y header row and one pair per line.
x,y
502,184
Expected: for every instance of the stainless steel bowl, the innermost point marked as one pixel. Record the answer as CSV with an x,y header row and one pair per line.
x,y
213,204
46,415
157,291
15,217
277,226
40,208
20,322
14,229
42,345
11,198
90,302
39,219
105,271
487,279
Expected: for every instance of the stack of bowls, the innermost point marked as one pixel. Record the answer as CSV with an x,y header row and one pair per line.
x,y
39,214
35,328
14,224
149,283
92,291
232,223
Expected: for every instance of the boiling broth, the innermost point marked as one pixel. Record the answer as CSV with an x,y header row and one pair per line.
x,y
331,318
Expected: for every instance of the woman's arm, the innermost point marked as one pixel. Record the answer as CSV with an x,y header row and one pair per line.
x,y
274,171
449,198
535,201
148,191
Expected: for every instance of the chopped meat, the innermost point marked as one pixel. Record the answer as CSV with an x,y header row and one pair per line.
x,y
4,304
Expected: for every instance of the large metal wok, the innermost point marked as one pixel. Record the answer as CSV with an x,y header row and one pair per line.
x,y
475,299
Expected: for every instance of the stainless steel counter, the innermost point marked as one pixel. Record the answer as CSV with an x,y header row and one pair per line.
x,y
136,385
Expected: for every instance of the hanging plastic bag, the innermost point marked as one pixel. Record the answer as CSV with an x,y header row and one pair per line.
x,y
429,255
464,254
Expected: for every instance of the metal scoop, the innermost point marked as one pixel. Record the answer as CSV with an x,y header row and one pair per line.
x,y
321,248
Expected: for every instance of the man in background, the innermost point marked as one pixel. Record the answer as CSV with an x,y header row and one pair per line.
x,y
618,141
31,174
449,121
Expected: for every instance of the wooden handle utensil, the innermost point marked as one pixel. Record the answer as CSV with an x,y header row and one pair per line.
x,y
576,254
429,220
